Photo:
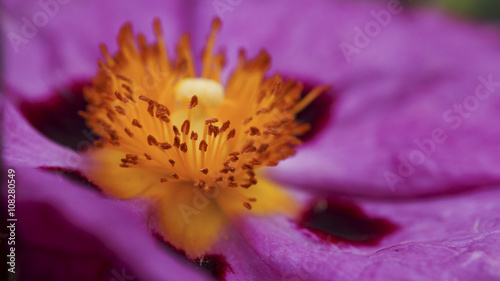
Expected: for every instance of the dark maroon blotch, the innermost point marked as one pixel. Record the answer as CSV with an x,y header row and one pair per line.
x,y
318,113
57,116
215,265
344,222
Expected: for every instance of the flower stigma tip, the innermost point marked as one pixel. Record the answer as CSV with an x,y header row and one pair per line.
x,y
166,130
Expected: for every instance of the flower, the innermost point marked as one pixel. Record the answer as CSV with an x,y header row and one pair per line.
x,y
399,87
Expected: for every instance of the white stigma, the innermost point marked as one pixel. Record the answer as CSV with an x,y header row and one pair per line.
x,y
210,93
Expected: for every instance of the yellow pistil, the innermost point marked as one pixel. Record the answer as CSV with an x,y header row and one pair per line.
x,y
188,144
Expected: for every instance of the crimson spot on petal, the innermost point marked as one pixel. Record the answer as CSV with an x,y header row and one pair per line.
x,y
57,117
215,265
318,113
344,222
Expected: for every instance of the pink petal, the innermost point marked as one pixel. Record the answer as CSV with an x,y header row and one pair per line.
x,y
452,238
59,221
23,146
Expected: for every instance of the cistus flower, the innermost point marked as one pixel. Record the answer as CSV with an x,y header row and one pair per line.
x,y
188,144
416,103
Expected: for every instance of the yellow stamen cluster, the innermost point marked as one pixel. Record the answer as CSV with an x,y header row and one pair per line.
x,y
162,117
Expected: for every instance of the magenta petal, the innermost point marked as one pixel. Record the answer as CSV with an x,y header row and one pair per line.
x,y
404,89
25,147
453,238
62,222
67,46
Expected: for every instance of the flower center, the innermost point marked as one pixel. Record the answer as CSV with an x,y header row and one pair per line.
x,y
176,129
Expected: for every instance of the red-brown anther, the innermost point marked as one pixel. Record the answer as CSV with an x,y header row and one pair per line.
x,y
185,127
131,156
253,181
165,119
184,147
247,167
231,134
172,162
247,205
230,178
127,88
263,147
225,126
216,131
205,171
163,179
224,171
271,132
152,141
251,173
193,102
123,165
175,175
151,108
136,123
128,132
161,110
110,116
245,185
144,98
252,199
211,121
120,97
147,156
194,136
236,153
254,131
247,146
210,129
232,184
219,179
177,142
248,120
234,158
203,146
165,145
120,110
176,130
262,110
255,162
272,163
124,78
